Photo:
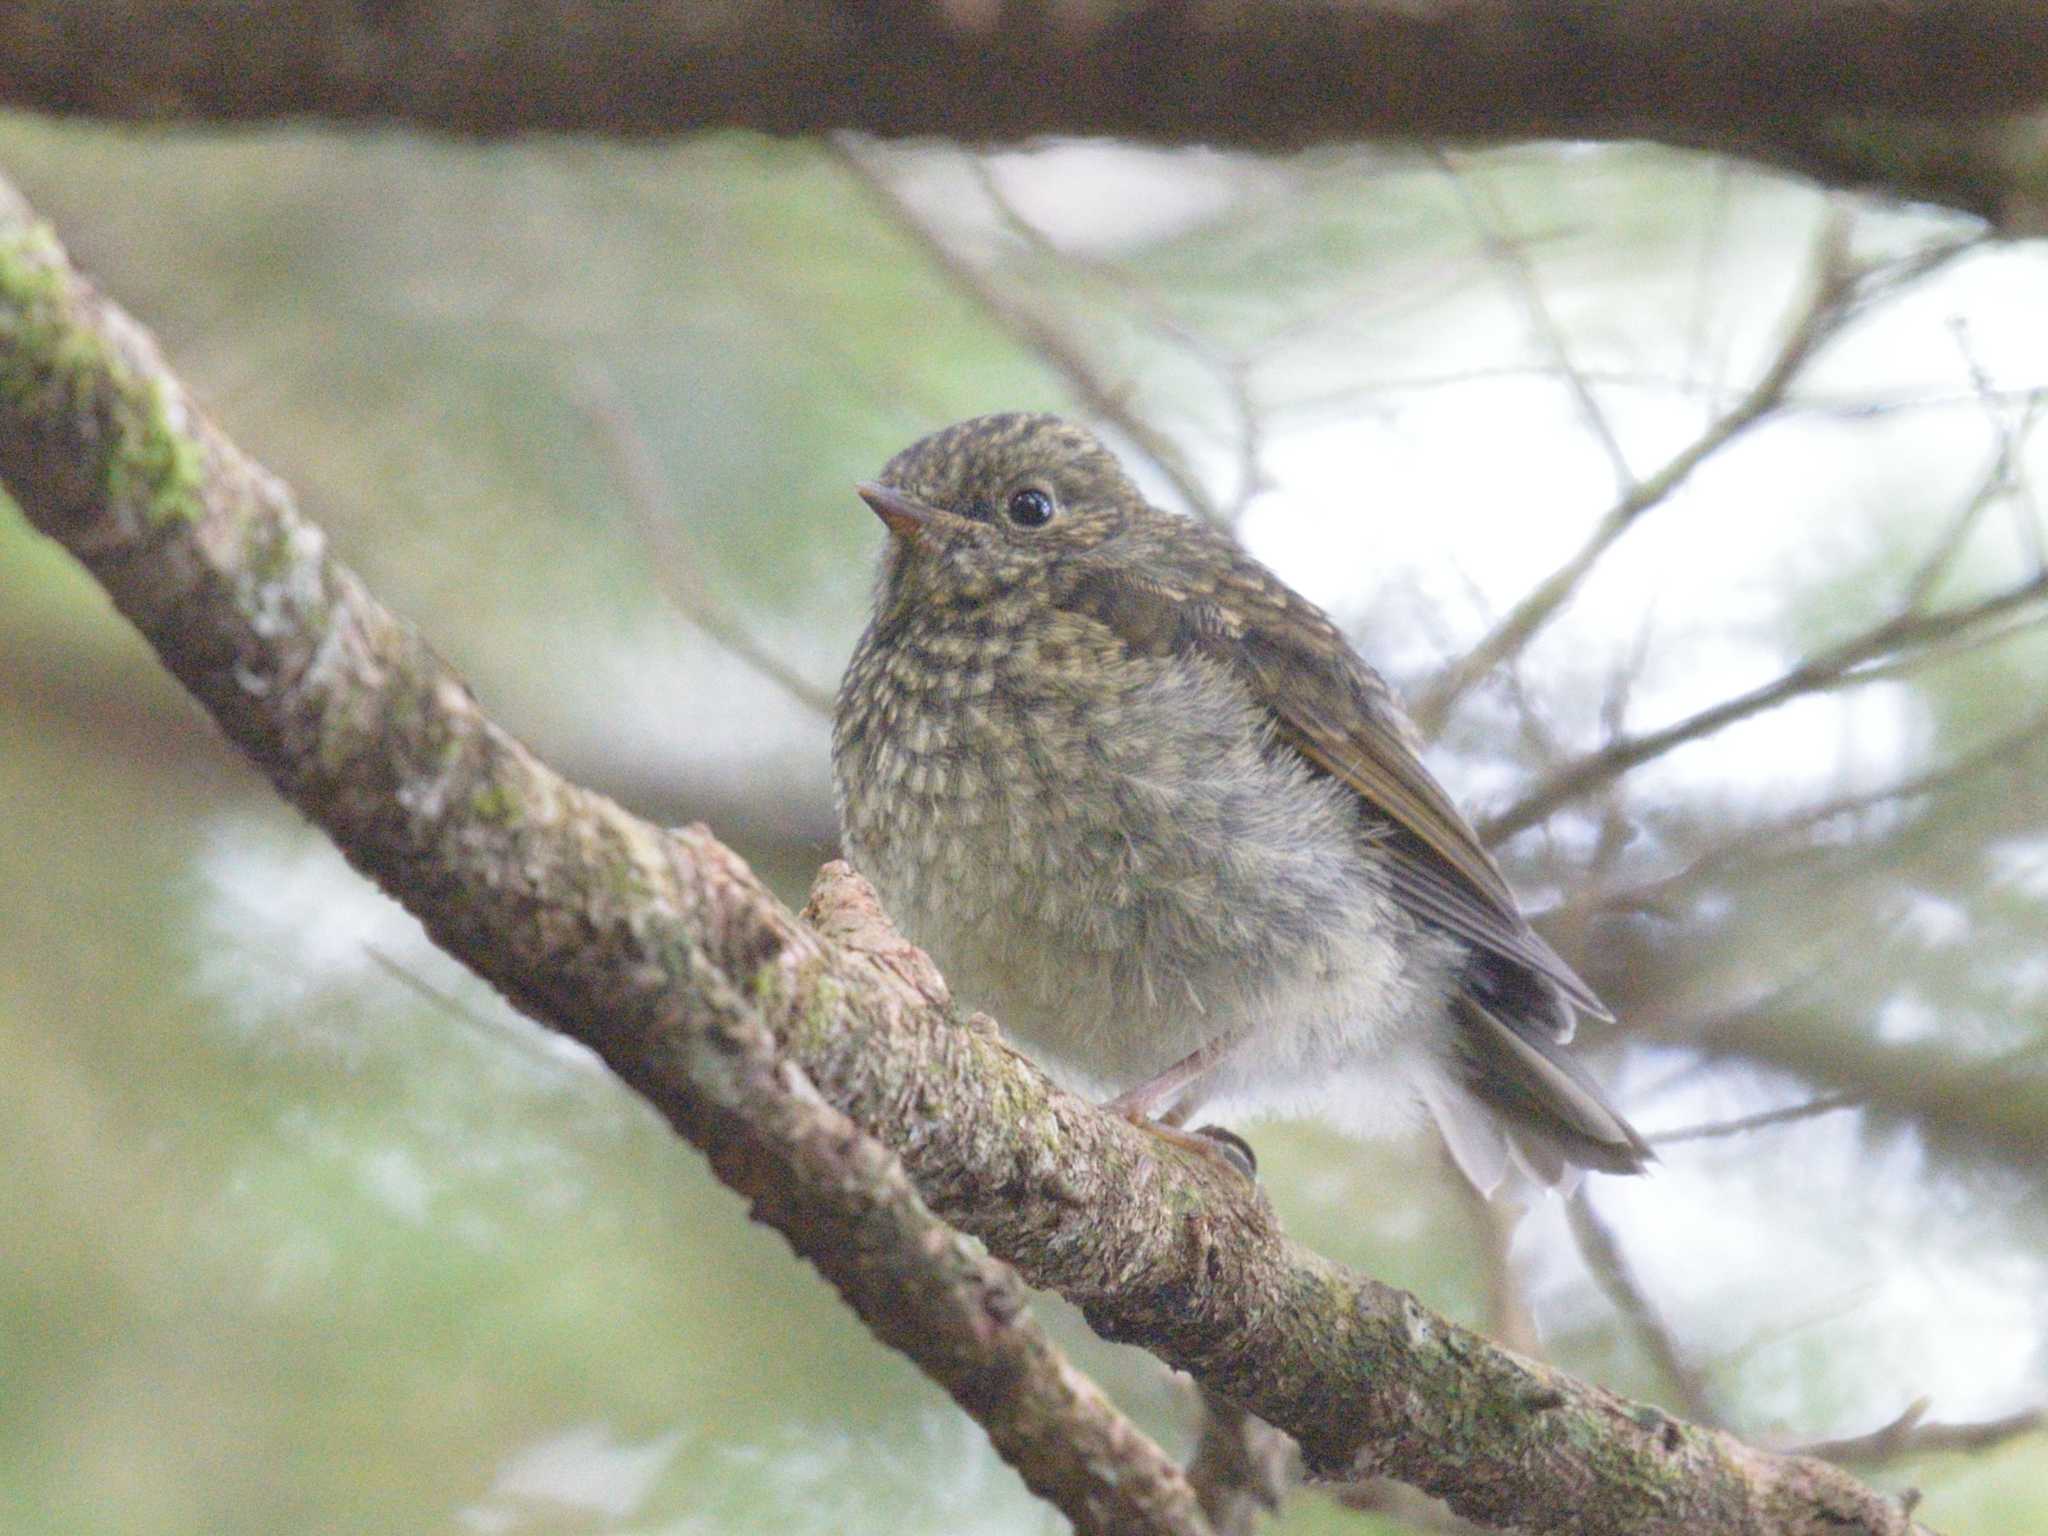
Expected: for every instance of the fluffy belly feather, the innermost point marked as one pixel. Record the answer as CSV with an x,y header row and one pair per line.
x,y
1198,886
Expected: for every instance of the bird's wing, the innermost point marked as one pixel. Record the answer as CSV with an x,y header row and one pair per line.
x,y
1341,718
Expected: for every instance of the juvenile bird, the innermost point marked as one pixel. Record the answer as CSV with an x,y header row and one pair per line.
x,y
1142,802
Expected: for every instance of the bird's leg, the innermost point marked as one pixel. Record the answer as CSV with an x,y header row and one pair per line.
x,y
1138,1104
1171,1088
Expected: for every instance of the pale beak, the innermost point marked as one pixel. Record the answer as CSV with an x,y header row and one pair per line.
x,y
905,518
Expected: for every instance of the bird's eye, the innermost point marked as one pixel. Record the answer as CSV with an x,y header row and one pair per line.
x,y
1030,507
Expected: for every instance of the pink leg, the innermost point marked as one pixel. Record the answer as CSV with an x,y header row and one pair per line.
x,y
1179,1088
1139,1103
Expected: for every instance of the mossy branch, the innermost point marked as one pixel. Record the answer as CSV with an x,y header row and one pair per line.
x,y
786,1048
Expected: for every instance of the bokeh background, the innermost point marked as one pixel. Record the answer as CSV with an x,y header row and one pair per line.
x,y
305,1231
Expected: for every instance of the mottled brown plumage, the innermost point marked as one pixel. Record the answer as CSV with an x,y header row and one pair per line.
x,y
1145,804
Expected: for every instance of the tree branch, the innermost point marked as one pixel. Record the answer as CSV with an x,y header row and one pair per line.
x,y
1930,98
1789,836
1996,1107
1518,274
1820,315
1742,1125
1241,1468
1509,1319
664,955
1911,1435
1877,652
1229,368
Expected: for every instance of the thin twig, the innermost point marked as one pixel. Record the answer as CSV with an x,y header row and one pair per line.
x,y
1539,737
1509,1319
2002,480
1875,407
1140,295
1996,1107
1827,1103
1232,370
1601,1250
2011,436
2025,505
1776,836
1995,482
1910,1435
1047,341
1405,1507
1509,257
676,566
1374,298
1344,402
1823,313
1843,666
1947,647
1251,438
888,382
424,989
1706,269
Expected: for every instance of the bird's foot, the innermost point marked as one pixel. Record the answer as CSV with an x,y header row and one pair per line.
x,y
1214,1142
1233,1149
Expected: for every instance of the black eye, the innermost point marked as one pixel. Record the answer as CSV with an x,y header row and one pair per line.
x,y
1030,507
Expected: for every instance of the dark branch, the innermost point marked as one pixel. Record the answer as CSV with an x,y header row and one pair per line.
x,y
1935,99
1242,1468
1790,836
1712,1130
1611,1271
1911,1435
1510,259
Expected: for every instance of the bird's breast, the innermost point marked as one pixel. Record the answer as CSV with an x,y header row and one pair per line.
x,y
1106,851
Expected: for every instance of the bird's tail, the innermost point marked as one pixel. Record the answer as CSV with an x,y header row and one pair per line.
x,y
1515,1094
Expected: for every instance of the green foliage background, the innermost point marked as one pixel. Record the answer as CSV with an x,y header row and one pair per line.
x,y
306,1233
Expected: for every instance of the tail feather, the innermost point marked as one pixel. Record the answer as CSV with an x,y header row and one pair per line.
x,y
1473,1133
1546,1105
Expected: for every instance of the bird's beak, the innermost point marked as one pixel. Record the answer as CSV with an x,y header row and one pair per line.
x,y
905,518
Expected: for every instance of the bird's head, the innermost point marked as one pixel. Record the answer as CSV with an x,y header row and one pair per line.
x,y
977,508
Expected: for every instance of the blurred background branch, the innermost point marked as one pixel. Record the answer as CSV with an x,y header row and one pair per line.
x,y
1911,1434
1902,641
1826,309
1037,335
1941,102
1601,1249
678,568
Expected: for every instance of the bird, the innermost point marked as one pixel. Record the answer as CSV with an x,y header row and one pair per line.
x,y
1144,804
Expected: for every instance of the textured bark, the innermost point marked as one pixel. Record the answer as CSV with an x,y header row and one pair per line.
x,y
767,1040
1938,99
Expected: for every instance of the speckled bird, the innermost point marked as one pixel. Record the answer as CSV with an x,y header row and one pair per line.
x,y
1143,803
